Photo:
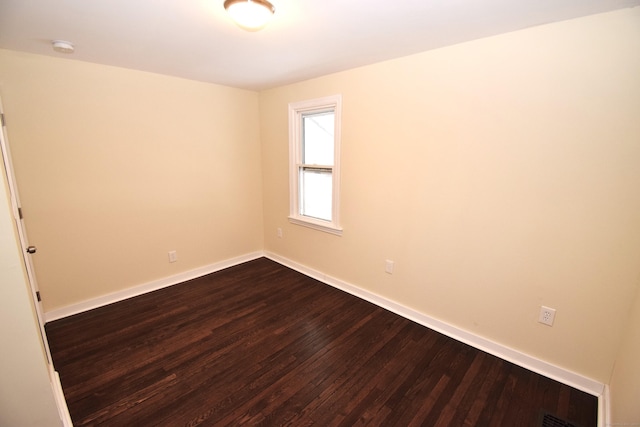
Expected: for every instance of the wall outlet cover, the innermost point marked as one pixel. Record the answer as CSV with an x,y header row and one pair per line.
x,y
388,266
547,315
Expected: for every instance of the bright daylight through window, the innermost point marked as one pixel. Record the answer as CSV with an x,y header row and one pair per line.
x,y
314,157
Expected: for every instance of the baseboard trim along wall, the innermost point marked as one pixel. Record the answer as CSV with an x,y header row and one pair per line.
x,y
521,359
541,367
81,307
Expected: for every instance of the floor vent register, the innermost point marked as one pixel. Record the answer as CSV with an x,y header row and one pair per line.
x,y
549,420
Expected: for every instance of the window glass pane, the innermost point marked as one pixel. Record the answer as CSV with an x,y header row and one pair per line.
x,y
317,138
315,193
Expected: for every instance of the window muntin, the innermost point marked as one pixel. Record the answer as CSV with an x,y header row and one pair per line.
x,y
314,152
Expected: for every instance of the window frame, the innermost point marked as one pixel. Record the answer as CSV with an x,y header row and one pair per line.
x,y
296,112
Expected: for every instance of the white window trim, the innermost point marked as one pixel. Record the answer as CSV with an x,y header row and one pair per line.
x,y
296,109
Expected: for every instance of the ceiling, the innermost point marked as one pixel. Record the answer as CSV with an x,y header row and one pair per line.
x,y
195,39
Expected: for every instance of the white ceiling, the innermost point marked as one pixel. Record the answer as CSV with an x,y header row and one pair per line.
x,y
196,40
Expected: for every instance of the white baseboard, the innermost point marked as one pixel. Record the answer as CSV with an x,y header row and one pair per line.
x,y
514,356
81,307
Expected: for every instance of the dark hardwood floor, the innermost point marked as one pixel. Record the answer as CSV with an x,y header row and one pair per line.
x,y
260,344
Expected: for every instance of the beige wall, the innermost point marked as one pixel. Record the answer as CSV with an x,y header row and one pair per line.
x,y
117,167
499,175
26,396
625,382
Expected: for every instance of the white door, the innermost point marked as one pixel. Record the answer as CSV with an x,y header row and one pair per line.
x,y
27,251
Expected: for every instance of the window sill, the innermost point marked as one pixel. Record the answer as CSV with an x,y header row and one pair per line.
x,y
316,225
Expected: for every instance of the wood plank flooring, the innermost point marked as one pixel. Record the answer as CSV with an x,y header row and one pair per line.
x,y
260,344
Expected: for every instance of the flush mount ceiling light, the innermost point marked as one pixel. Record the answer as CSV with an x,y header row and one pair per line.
x,y
252,15
62,46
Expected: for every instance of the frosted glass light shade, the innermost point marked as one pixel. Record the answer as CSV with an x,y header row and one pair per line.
x,y
252,15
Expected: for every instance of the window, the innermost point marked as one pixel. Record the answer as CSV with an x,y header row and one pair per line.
x,y
314,158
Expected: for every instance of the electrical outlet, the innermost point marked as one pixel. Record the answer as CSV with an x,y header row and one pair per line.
x,y
388,266
547,315
173,256
279,232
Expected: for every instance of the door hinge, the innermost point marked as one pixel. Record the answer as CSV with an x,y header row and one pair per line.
x,y
2,119
38,296
20,213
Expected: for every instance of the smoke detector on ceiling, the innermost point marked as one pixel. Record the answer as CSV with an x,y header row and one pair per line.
x,y
62,46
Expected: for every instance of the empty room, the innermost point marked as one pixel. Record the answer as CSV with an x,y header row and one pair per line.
x,y
352,213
